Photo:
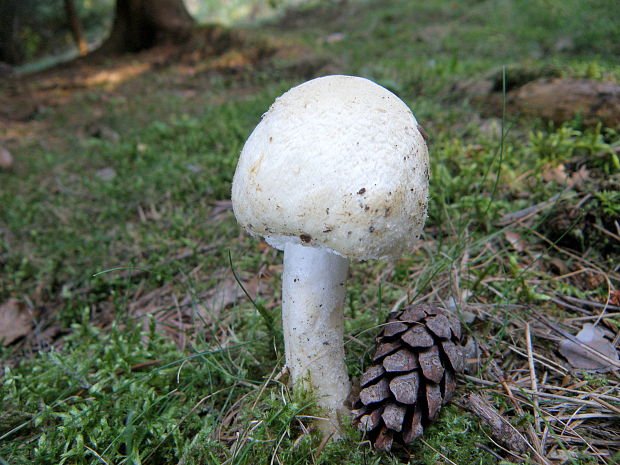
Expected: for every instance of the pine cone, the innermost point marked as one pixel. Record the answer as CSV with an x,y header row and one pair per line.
x,y
413,373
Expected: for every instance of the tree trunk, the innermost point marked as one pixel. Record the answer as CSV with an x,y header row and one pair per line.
x,y
11,48
76,27
141,24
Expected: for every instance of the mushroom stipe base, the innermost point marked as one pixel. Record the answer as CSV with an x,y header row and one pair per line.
x,y
313,292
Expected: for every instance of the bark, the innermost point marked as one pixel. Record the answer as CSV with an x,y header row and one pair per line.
x,y
76,27
141,24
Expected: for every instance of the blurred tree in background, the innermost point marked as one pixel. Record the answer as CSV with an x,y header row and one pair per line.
x,y
11,48
76,26
141,24
30,29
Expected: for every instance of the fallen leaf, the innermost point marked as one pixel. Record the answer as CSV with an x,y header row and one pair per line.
x,y
515,240
228,292
559,264
579,177
581,358
555,173
6,159
15,321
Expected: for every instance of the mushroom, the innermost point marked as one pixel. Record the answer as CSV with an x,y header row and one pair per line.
x,y
337,169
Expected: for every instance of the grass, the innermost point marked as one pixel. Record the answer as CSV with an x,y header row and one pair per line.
x,y
146,351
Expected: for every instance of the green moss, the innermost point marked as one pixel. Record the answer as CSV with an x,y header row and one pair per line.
x,y
456,436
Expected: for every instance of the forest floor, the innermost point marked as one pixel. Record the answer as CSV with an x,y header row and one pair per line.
x,y
127,335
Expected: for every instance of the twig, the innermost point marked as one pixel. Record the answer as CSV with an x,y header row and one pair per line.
x,y
582,393
501,429
589,303
593,317
574,400
569,306
531,433
604,231
581,416
528,212
607,404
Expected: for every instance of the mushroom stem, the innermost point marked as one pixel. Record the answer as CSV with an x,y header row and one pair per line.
x,y
313,291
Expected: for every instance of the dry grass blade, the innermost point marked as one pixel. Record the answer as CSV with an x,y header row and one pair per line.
x,y
533,381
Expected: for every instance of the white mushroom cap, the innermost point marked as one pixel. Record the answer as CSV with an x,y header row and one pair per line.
x,y
337,162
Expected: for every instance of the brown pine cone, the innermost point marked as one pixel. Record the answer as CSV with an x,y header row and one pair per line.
x,y
413,373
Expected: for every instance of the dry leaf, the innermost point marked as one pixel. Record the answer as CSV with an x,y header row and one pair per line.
x,y
15,321
515,240
555,173
579,177
559,175
227,292
581,358
559,264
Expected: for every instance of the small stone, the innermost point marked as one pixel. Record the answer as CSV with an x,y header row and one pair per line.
x,y
6,159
